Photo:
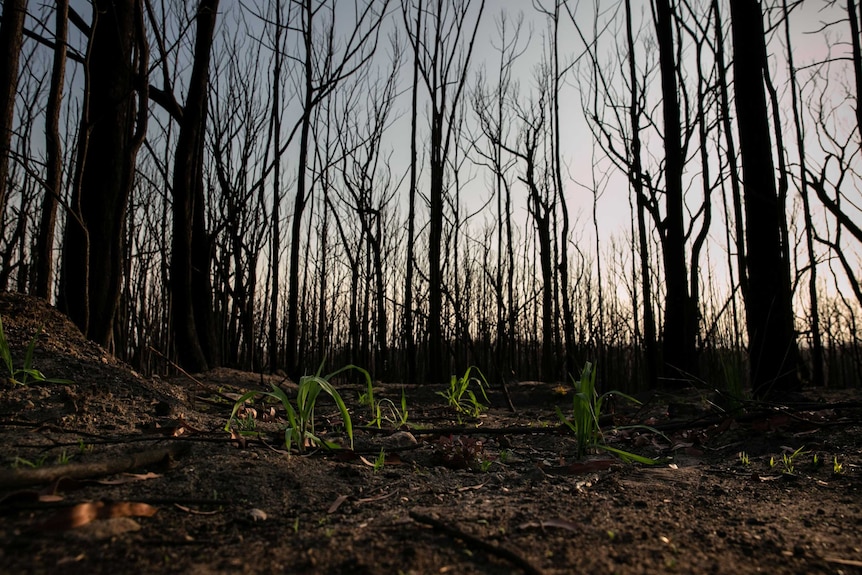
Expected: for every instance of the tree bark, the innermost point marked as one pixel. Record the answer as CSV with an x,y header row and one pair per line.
x,y
679,334
11,38
54,158
772,341
111,133
187,245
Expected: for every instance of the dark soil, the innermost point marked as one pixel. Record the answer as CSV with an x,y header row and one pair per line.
x,y
145,467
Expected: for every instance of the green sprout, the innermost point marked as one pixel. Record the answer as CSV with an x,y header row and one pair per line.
x,y
837,466
380,462
83,447
460,397
788,461
744,459
34,464
386,410
300,427
23,375
586,408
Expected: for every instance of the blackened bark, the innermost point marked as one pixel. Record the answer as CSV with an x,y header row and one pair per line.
x,y
292,343
407,329
11,37
772,341
187,244
856,45
93,242
54,157
679,333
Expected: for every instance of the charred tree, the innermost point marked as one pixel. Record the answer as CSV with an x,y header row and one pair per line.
x,y
112,128
11,38
769,312
54,157
191,292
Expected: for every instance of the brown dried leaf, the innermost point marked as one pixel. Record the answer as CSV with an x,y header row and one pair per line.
x,y
84,513
336,504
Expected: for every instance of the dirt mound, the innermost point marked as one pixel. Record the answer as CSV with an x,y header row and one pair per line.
x,y
116,472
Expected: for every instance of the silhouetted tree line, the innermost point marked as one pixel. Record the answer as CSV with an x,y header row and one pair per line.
x,y
388,183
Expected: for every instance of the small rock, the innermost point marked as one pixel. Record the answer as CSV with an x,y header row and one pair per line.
x,y
399,439
257,514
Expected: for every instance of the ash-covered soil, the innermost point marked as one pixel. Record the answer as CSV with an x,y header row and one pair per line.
x,y
117,473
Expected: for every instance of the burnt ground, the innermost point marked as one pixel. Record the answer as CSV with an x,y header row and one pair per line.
x,y
118,473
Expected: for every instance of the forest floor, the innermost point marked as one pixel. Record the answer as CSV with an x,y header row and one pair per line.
x,y
116,473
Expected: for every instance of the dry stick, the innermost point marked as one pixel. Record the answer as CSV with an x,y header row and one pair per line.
x,y
497,550
27,477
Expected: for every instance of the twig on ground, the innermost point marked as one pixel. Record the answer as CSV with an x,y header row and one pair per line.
x,y
27,477
474,541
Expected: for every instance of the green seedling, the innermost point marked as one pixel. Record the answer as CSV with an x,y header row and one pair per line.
x,y
485,465
386,410
744,459
584,423
23,375
504,455
34,464
788,461
64,458
380,462
461,397
837,466
300,427
771,462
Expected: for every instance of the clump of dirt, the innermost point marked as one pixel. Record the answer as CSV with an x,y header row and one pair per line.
x,y
117,472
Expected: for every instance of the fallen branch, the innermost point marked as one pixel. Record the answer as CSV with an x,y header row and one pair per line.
x,y
26,477
474,541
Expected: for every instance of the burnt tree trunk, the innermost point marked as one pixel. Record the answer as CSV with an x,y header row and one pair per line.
x,y
679,334
11,38
54,158
188,262
772,341
108,145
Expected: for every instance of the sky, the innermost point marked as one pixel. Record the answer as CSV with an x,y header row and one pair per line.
x,y
579,155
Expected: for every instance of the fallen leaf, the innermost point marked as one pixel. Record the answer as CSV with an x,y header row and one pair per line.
x,y
84,513
336,504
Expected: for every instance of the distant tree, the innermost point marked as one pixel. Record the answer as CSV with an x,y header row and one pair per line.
x,y
325,64
491,103
769,311
442,61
